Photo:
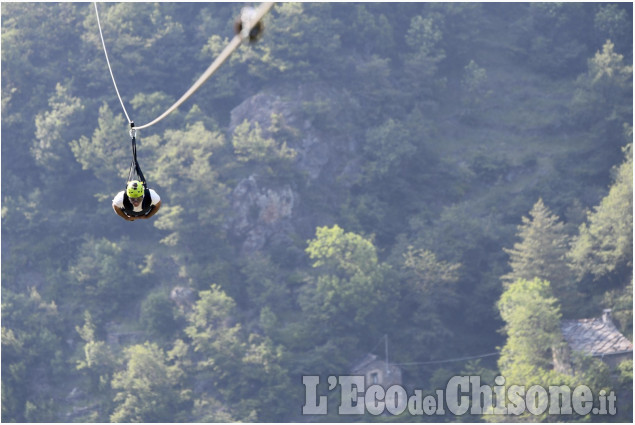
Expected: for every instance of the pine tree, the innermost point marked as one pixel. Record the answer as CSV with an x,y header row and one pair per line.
x,y
605,241
541,252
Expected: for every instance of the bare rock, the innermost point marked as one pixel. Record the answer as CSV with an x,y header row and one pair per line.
x,y
260,212
183,297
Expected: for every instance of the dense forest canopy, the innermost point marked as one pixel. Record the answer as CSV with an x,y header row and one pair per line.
x,y
431,176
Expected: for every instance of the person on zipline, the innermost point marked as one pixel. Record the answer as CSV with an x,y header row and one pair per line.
x,y
136,202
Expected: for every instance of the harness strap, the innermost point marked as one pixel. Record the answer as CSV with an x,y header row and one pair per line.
x,y
134,165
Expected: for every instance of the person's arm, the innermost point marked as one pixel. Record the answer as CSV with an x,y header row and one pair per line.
x,y
121,213
153,211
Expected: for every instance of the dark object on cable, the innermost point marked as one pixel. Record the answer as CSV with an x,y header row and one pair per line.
x,y
245,15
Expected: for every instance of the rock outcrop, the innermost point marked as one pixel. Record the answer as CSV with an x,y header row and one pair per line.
x,y
260,212
263,210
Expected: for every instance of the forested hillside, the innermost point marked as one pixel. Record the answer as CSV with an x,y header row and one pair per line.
x,y
417,179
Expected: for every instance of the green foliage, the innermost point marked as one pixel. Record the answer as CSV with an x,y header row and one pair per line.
x,y
387,146
157,315
625,389
148,389
31,352
620,301
603,95
346,270
421,67
428,287
265,282
490,166
555,41
149,106
250,145
248,373
50,149
107,152
300,39
541,252
532,324
474,88
429,276
98,356
214,336
98,364
605,241
224,84
612,22
183,158
263,367
371,32
382,121
208,320
180,168
103,270
141,39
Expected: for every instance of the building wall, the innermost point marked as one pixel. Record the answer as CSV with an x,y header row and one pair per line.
x,y
375,373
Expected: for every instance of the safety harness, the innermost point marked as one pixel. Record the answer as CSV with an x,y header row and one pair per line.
x,y
135,173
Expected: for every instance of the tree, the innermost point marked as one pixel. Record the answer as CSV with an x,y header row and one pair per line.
x,y
620,301
605,244
157,315
141,40
264,385
250,145
265,283
371,31
50,148
216,337
541,252
99,364
104,277
532,325
387,147
624,390
97,355
553,34
613,23
473,88
302,41
32,355
248,374
149,389
603,99
421,67
180,163
427,291
107,153
348,283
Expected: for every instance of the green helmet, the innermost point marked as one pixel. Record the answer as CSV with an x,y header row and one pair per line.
x,y
135,189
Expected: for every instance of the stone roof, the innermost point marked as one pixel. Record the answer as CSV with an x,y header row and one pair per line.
x,y
363,363
596,337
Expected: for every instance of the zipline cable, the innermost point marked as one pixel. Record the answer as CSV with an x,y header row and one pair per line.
x,y
103,43
458,359
229,49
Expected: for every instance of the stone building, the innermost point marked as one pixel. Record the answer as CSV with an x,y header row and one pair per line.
x,y
377,372
596,337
